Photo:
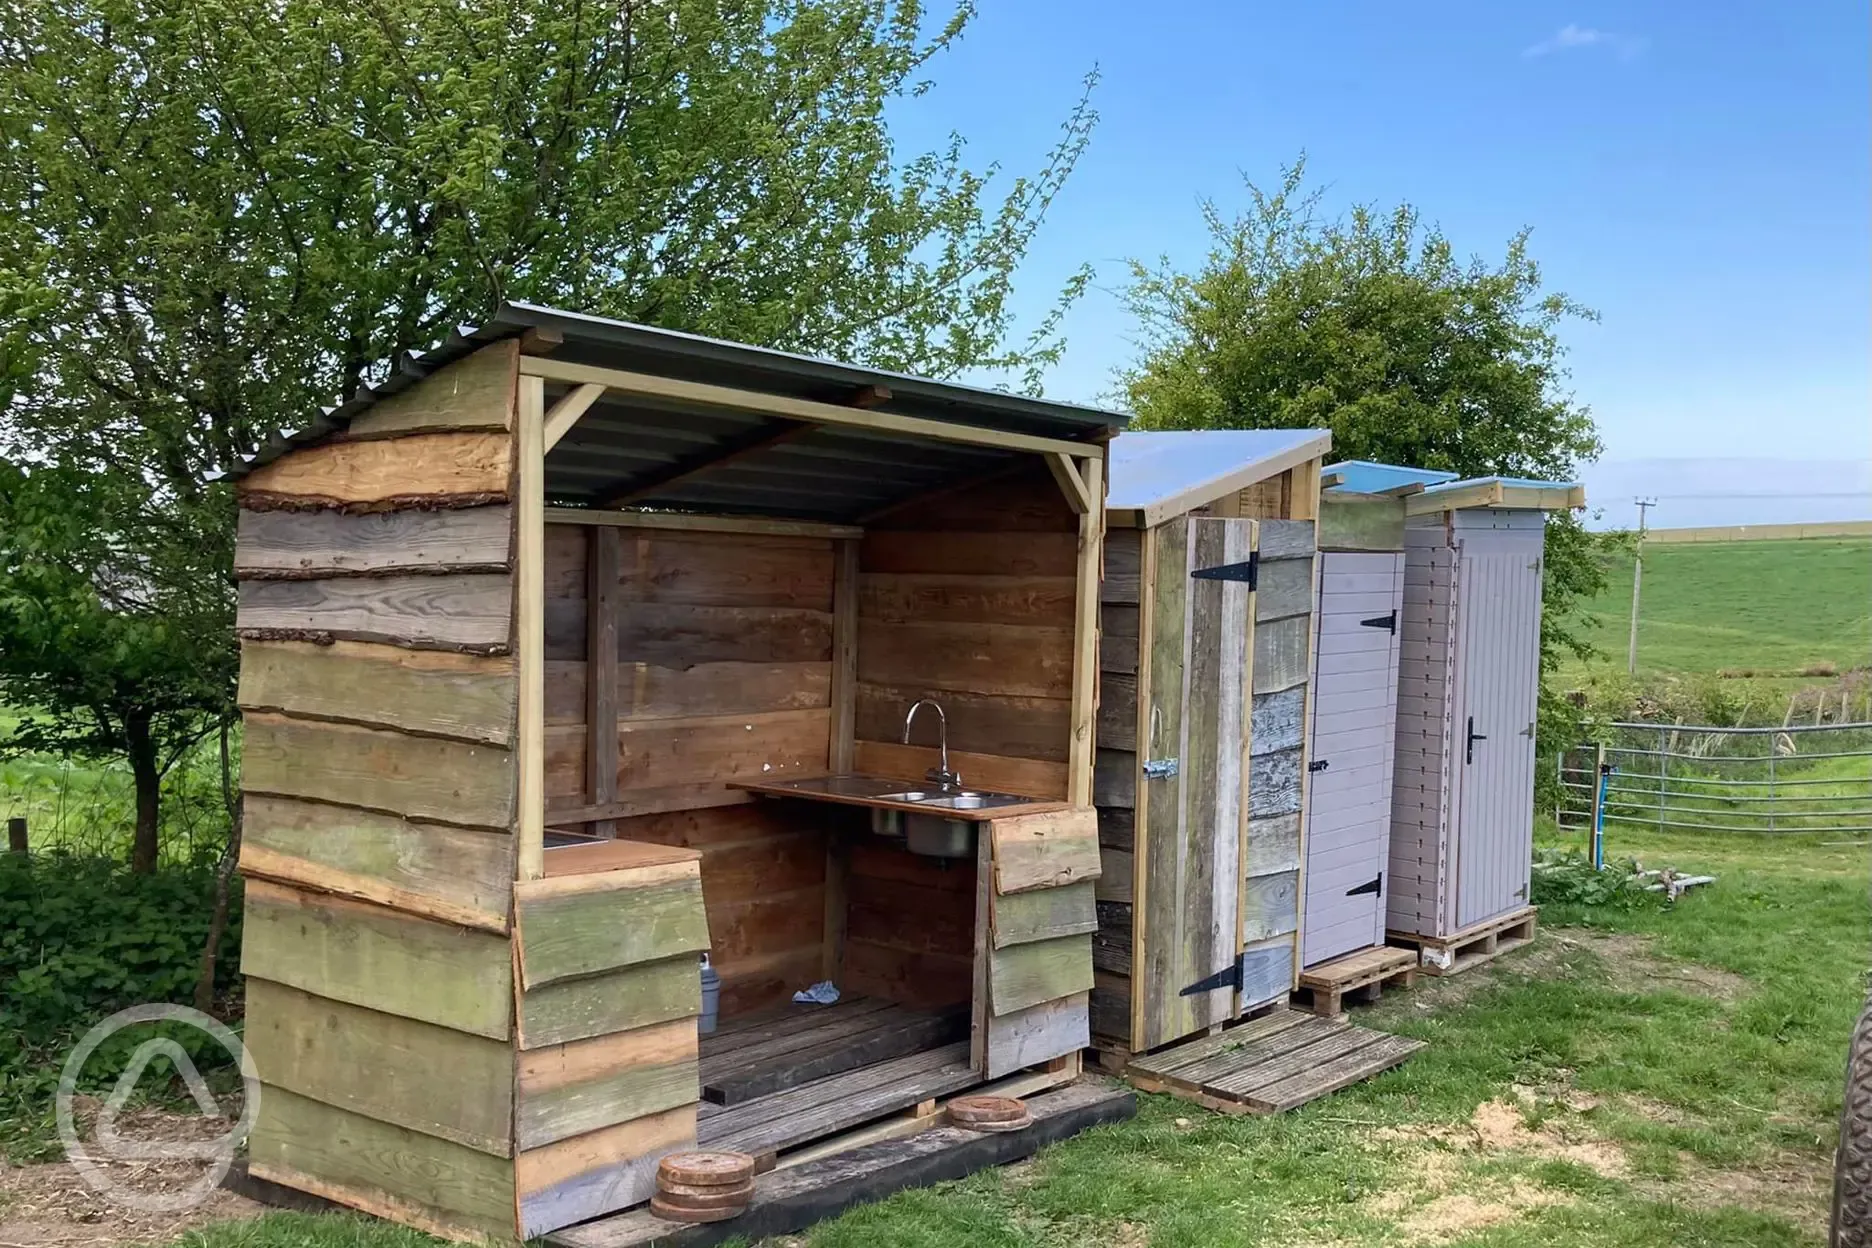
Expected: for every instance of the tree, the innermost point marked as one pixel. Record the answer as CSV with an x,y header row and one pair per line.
x,y
106,656
243,209
1372,327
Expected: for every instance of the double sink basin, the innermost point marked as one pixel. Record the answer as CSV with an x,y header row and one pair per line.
x,y
935,822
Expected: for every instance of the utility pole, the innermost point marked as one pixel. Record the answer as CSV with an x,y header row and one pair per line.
x,y
1637,579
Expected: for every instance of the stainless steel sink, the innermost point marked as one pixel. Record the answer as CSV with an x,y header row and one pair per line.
x,y
964,799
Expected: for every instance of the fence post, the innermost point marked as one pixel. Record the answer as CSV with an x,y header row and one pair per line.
x,y
1771,785
16,834
1663,773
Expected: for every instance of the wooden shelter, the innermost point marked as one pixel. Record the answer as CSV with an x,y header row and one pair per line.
x,y
578,648
1206,627
1468,681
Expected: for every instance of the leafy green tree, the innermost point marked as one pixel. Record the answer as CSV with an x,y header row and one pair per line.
x,y
1372,326
243,208
105,654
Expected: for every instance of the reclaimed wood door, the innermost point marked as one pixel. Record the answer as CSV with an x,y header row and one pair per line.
x,y
1352,752
1192,795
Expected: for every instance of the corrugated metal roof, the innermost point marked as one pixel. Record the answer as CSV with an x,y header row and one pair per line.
x,y
615,443
1152,468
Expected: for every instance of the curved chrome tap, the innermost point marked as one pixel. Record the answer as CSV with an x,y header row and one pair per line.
x,y
939,775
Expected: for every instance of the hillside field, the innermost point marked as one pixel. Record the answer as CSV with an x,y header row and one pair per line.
x,y
1768,607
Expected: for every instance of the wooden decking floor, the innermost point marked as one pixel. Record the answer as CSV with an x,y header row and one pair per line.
x,y
771,1124
1273,1063
761,1054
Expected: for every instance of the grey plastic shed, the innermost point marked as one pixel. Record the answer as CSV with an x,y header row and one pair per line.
x,y
1468,681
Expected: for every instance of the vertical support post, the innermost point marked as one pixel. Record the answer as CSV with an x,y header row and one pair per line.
x,y
16,834
1085,634
844,702
530,629
602,591
844,690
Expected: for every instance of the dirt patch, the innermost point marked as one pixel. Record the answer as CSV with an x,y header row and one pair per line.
x,y
1798,1187
1455,1214
52,1206
1633,965
1499,1127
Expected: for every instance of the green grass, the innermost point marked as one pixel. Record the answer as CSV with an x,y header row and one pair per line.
x,y
1669,1075
1771,607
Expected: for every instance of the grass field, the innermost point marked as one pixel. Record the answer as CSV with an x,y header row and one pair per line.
x,y
1767,606
1638,1076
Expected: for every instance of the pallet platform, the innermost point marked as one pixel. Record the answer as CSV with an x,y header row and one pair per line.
x,y
1363,975
1474,945
1274,1063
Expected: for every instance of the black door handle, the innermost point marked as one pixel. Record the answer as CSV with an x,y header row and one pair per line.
x,y
1474,736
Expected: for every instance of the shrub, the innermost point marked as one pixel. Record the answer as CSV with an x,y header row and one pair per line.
x,y
1567,878
85,938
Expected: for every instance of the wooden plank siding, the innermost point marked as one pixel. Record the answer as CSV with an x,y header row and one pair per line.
x,y
376,610
1272,859
1124,597
969,598
1035,957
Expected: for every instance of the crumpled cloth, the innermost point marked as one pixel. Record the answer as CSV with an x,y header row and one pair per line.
x,y
825,992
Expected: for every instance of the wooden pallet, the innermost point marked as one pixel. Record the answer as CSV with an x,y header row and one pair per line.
x,y
1474,945
1362,976
1274,1063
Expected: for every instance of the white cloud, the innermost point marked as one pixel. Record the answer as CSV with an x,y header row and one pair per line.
x,y
1571,38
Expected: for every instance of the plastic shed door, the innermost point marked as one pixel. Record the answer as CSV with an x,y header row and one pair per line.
x,y
1352,752
1491,740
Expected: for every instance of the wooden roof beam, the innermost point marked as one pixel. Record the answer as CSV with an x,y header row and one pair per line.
x,y
696,394
760,438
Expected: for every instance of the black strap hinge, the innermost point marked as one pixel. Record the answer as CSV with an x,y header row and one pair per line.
x,y
1372,886
1249,572
1387,622
1228,977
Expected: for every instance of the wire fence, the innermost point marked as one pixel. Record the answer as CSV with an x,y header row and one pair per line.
x,y
1810,779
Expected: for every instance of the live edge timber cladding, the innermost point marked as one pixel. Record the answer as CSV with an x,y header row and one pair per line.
x,y
514,1087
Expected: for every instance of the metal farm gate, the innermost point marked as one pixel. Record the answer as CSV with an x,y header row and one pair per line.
x,y
1814,779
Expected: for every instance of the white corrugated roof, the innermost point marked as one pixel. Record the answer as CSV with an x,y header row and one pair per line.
x,y
1195,466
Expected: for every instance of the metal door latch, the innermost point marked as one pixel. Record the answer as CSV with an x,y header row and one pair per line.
x,y
1319,764
1474,736
1159,768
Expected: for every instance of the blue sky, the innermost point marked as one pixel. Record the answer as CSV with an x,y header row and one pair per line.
x,y
1696,172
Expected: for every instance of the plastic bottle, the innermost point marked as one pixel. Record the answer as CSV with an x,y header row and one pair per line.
x,y
711,997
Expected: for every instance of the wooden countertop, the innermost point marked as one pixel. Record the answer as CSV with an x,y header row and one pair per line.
x,y
868,791
609,855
